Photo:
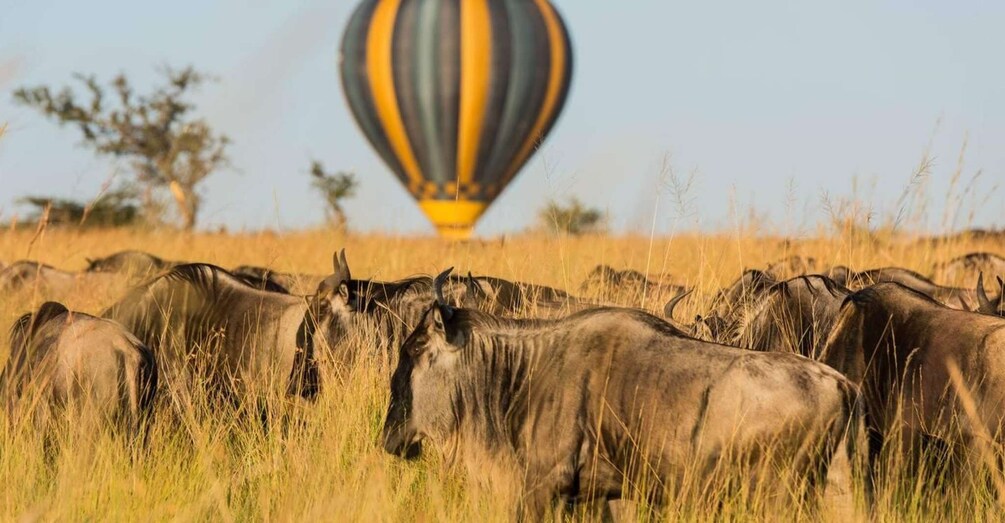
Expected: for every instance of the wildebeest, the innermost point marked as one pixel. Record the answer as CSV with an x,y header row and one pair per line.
x,y
795,315
731,305
626,285
899,344
204,324
590,403
52,282
792,266
604,275
512,296
954,297
26,273
69,360
969,266
137,264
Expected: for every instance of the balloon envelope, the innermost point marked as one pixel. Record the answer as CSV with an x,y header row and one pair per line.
x,y
455,95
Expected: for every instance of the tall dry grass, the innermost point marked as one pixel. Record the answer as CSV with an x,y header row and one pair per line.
x,y
325,463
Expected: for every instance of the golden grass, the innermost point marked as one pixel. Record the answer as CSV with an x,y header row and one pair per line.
x,y
327,465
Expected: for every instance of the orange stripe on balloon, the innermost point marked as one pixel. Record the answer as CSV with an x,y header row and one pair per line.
x,y
379,68
476,59
556,78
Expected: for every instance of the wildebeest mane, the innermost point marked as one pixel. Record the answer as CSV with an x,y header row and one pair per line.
x,y
374,291
473,320
830,286
211,279
873,294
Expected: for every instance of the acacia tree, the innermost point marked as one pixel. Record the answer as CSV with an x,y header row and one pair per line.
x,y
157,133
575,218
334,188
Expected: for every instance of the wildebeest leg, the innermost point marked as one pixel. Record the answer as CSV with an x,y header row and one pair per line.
x,y
535,505
596,510
265,416
542,488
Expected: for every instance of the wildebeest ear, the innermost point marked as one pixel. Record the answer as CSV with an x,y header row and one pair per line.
x,y
436,319
343,291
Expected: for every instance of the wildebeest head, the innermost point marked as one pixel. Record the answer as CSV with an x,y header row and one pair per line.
x,y
701,328
731,305
333,300
421,390
137,263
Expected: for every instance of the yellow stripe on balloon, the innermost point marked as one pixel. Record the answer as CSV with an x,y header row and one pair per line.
x,y
476,59
385,101
556,78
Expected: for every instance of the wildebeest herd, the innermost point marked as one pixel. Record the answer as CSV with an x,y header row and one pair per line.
x,y
796,364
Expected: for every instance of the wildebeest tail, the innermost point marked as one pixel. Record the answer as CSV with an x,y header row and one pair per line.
x,y
18,338
147,379
856,439
141,386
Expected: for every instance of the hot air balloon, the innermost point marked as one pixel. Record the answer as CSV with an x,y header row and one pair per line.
x,y
455,95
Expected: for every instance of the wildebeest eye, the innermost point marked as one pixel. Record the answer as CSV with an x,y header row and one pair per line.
x,y
415,349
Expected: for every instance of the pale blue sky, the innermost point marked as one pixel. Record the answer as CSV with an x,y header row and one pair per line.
x,y
774,102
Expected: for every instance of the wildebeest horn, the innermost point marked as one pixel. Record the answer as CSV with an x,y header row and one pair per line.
x,y
438,287
669,307
446,311
473,286
982,297
340,267
966,306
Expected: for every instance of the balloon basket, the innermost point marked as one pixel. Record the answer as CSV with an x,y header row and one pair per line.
x,y
453,219
455,233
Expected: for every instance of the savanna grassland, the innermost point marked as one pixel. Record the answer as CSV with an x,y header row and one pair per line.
x,y
325,462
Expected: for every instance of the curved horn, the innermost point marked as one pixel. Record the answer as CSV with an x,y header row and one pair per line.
x,y
985,305
669,307
438,287
1001,297
340,267
473,286
345,264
